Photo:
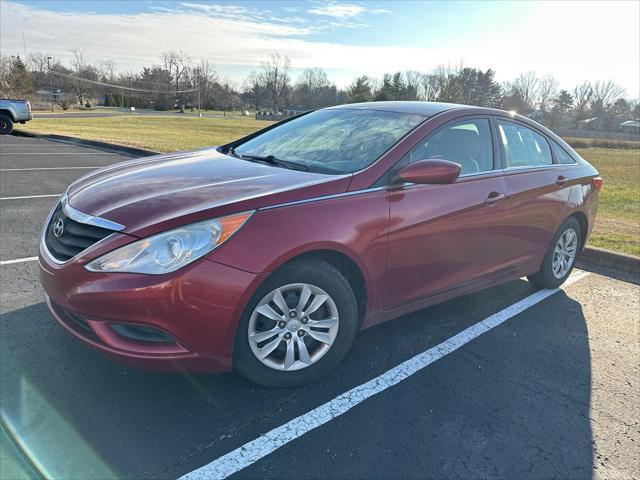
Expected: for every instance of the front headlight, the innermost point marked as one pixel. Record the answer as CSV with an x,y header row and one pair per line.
x,y
168,251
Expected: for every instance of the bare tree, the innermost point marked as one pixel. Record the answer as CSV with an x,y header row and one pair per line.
x,y
605,95
526,86
313,89
547,91
207,79
177,64
5,65
276,76
412,82
106,71
37,62
254,86
80,70
581,99
430,88
314,79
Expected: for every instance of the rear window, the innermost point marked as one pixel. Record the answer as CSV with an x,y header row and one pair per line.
x,y
523,147
561,155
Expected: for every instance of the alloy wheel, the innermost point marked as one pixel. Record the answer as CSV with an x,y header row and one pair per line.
x,y
293,327
564,253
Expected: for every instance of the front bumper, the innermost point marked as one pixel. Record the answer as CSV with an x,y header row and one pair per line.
x,y
190,315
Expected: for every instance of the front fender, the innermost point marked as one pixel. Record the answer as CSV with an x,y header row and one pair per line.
x,y
355,225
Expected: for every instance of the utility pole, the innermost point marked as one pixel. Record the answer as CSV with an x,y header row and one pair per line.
x,y
50,84
122,92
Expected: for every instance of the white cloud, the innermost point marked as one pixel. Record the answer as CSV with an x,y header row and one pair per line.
x,y
338,10
218,10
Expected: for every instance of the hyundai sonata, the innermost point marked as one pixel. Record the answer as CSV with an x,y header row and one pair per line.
x,y
267,255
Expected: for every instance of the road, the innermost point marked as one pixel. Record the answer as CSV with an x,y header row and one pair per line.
x,y
548,388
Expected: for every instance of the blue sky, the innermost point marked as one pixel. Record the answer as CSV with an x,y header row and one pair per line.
x,y
569,40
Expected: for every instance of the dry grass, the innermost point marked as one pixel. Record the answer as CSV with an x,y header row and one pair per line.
x,y
618,222
158,132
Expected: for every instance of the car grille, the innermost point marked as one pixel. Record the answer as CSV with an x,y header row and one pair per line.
x,y
75,236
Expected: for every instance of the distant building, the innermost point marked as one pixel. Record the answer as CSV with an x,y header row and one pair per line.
x,y
47,95
591,123
630,126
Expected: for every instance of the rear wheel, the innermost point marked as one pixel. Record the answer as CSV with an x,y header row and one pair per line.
x,y
297,327
6,124
560,257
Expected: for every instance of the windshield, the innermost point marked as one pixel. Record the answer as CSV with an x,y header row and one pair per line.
x,y
333,141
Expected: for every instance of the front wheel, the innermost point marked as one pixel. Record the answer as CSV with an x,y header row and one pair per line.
x,y
560,258
6,125
297,327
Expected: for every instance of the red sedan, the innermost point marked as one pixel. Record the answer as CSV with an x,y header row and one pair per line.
x,y
268,254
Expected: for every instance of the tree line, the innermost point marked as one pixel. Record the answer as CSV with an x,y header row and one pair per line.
x,y
176,81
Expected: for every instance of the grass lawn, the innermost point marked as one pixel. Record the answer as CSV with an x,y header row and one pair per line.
x,y
618,222
158,132
617,227
59,111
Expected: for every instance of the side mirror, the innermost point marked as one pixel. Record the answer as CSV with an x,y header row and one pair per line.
x,y
430,171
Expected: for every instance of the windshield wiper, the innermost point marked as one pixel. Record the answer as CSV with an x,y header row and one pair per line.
x,y
272,160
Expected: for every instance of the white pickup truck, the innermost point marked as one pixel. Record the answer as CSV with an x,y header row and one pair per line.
x,y
13,111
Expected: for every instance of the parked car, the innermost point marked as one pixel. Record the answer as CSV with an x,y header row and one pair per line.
x,y
13,111
269,253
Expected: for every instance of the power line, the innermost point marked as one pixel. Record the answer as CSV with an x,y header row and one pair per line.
x,y
131,89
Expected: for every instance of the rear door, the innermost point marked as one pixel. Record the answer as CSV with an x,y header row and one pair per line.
x,y
538,187
445,236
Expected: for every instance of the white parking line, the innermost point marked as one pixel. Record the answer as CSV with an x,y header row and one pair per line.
x,y
44,168
256,449
30,196
18,260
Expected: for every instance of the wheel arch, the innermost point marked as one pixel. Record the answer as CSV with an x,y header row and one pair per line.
x,y
8,113
346,265
583,221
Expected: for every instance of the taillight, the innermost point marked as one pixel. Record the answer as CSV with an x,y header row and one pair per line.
x,y
597,182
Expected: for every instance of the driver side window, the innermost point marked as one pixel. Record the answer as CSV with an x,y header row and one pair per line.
x,y
467,143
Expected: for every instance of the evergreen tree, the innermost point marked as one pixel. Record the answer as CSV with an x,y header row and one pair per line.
x,y
18,81
563,102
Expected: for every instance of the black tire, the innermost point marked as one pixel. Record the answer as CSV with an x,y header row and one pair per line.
x,y
545,277
6,124
313,272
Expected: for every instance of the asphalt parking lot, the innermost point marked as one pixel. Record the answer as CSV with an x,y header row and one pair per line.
x,y
505,383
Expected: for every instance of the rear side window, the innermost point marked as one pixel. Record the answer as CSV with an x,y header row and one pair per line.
x,y
467,143
561,155
523,147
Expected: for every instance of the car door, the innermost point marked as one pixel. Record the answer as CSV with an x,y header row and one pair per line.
x,y
445,236
538,188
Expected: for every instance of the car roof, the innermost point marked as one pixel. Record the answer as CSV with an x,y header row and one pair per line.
x,y
426,109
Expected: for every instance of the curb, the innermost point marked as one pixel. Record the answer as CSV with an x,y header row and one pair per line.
x,y
131,151
611,260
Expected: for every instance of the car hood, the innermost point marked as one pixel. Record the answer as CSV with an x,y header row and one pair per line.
x,y
159,192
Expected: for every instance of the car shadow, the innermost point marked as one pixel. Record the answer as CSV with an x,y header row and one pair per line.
x,y
76,414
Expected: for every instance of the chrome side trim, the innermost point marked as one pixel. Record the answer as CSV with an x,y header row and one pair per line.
x,y
538,167
325,197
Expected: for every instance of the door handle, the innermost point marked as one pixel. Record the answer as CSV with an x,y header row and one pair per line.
x,y
494,197
561,180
